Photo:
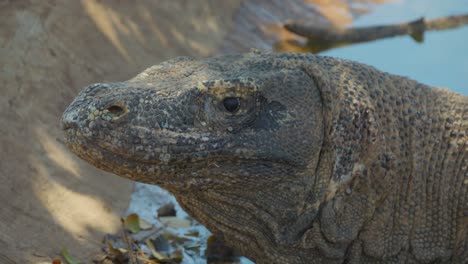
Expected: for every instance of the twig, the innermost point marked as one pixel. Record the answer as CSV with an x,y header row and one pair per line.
x,y
126,239
447,22
328,37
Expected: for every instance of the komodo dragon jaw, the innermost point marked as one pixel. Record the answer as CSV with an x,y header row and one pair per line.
x,y
292,158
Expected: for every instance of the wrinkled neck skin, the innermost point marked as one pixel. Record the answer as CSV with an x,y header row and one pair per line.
x,y
254,216
372,195
346,165
398,190
390,183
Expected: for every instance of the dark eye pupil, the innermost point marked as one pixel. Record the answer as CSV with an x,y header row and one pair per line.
x,y
231,104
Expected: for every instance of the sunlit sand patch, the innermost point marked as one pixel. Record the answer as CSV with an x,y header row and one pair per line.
x,y
146,16
76,212
109,23
337,12
57,152
341,13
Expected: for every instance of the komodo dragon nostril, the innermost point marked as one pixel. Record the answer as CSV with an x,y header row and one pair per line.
x,y
68,124
116,110
69,119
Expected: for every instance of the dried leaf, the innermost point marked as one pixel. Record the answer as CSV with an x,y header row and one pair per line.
x,y
132,223
158,255
167,210
144,225
175,222
177,256
193,247
193,233
100,258
173,238
123,250
68,258
116,253
161,243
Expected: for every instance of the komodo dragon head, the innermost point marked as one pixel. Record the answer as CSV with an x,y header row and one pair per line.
x,y
273,152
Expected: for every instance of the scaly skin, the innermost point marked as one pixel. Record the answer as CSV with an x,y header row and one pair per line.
x,y
322,161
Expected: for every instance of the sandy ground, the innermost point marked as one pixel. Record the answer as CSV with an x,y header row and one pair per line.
x,y
49,50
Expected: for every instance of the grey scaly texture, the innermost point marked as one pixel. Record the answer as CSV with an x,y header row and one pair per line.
x,y
291,158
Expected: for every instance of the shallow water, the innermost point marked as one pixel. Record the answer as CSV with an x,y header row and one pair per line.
x,y
441,60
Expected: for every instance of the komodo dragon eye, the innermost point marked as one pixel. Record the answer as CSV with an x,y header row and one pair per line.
x,y
231,104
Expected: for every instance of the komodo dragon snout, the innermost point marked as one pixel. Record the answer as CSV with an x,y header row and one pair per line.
x,y
291,158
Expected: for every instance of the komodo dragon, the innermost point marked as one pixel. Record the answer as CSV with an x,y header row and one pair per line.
x,y
291,158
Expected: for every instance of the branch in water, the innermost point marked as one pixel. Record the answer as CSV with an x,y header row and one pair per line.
x,y
328,37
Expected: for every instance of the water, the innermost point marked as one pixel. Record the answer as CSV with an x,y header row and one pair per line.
x,y
441,60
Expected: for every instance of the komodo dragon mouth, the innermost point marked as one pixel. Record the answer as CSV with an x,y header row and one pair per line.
x,y
173,161
292,158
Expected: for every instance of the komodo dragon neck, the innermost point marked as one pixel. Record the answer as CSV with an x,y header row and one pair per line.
x,y
407,183
420,177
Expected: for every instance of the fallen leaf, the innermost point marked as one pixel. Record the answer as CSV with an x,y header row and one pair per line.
x,y
68,258
193,247
193,233
175,222
177,256
158,255
132,223
123,250
100,258
174,238
144,225
116,253
167,210
161,243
